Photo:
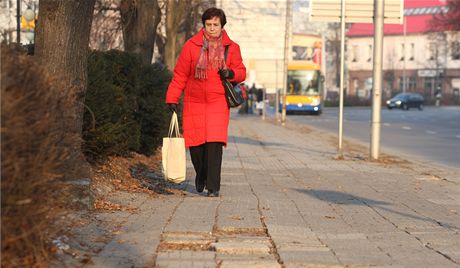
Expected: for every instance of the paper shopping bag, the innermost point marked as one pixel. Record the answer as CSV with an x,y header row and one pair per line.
x,y
173,153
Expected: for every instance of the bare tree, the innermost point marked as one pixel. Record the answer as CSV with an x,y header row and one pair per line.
x,y
333,48
448,19
166,24
182,20
175,11
140,19
106,30
437,60
61,46
389,75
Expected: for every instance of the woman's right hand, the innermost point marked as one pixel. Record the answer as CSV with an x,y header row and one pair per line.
x,y
172,107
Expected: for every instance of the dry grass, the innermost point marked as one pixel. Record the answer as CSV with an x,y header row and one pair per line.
x,y
34,145
136,174
166,246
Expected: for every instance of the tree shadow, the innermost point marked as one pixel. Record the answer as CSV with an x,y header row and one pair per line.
x,y
245,140
342,198
153,180
286,146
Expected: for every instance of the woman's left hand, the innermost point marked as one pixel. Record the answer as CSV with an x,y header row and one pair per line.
x,y
226,74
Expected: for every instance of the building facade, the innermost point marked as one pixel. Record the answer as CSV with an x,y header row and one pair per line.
x,y
259,28
416,57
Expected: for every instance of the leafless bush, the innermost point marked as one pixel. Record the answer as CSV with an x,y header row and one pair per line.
x,y
33,144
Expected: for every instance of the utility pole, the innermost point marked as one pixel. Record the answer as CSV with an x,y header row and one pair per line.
x,y
377,78
342,73
286,56
404,54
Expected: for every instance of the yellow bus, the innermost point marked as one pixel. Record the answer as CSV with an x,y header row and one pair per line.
x,y
304,78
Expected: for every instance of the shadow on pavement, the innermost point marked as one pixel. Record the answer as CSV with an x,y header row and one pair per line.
x,y
245,140
342,198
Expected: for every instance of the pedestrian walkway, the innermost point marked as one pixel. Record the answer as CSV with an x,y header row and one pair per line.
x,y
286,202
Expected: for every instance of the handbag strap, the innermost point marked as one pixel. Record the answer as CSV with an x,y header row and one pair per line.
x,y
174,126
225,54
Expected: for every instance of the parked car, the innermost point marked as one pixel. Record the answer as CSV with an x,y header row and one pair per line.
x,y
405,101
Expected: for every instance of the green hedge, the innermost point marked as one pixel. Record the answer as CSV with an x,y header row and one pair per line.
x,y
124,105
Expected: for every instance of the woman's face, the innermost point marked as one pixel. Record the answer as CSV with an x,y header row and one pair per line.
x,y
213,27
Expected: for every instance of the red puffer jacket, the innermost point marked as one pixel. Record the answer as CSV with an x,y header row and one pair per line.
x,y
205,114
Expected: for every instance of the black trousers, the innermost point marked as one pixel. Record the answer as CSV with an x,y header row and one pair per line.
x,y
207,161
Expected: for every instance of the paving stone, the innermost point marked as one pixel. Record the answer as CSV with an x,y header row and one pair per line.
x,y
187,239
312,258
241,247
195,215
245,239
179,259
250,264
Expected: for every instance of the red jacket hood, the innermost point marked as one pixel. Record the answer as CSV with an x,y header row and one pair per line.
x,y
198,38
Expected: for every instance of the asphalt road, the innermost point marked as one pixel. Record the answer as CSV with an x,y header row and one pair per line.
x,y
430,135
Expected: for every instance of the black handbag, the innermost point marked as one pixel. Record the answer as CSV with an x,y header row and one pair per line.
x,y
233,91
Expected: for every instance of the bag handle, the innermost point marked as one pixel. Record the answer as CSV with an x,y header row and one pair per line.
x,y
225,55
174,126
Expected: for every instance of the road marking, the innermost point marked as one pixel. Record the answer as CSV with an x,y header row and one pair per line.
x,y
406,128
430,132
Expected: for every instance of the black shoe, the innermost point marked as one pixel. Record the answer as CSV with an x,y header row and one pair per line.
x,y
199,186
213,194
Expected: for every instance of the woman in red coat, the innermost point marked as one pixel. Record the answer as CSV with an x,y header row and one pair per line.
x,y
198,73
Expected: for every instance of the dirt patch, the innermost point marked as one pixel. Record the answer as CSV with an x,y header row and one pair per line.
x,y
107,205
136,173
168,246
240,231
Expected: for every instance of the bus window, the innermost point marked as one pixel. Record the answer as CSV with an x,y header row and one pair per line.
x,y
303,82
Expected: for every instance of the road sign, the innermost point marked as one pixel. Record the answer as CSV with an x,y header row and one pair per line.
x,y
358,11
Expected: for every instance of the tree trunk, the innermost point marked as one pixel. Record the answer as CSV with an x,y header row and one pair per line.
x,y
139,21
61,46
175,14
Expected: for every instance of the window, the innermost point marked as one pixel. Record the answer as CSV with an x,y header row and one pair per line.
x,y
369,59
428,83
412,51
401,82
412,82
432,51
302,53
456,50
402,51
356,85
355,53
299,53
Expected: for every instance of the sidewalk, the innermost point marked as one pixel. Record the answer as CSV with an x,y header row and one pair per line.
x,y
286,202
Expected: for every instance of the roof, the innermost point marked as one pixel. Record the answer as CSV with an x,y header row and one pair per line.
x,y
417,13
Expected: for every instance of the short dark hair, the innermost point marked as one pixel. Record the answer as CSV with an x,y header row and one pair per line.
x,y
214,12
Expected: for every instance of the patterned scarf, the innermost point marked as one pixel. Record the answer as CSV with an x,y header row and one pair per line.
x,y
213,59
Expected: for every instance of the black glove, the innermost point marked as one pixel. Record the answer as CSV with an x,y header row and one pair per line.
x,y
226,74
172,107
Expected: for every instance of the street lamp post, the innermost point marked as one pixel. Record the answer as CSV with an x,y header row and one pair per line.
x,y
286,55
404,54
18,21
